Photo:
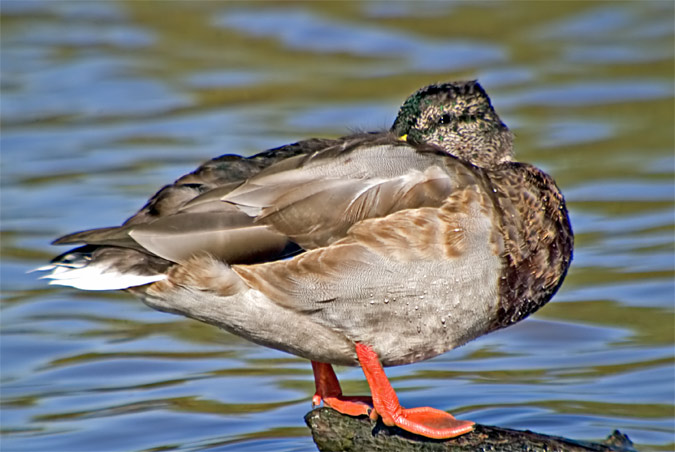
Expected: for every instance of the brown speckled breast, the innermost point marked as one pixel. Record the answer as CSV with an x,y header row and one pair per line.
x,y
538,239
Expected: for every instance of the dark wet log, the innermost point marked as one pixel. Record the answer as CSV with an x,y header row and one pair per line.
x,y
335,432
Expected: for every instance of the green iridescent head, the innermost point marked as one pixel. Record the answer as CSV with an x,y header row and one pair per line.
x,y
459,118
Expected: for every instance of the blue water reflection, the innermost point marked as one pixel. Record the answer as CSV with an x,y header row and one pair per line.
x,y
303,30
104,102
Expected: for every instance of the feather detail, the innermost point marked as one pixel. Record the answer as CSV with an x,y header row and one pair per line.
x,y
95,276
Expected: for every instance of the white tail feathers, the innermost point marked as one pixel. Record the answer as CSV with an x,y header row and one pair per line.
x,y
93,276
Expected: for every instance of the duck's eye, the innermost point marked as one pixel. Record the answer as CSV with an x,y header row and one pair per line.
x,y
445,119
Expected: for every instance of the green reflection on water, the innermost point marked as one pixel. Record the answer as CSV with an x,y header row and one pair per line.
x,y
650,326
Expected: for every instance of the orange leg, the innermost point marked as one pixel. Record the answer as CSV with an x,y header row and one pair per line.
x,y
329,392
424,421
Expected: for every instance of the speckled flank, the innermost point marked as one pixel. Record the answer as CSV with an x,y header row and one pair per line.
x,y
201,272
451,213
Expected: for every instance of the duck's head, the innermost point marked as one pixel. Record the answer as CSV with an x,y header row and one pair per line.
x,y
459,118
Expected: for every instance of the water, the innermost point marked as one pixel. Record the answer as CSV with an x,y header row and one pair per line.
x,y
104,102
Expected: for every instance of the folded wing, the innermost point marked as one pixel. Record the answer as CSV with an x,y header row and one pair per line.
x,y
274,207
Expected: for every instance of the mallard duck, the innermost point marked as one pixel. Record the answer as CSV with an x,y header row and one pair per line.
x,y
375,249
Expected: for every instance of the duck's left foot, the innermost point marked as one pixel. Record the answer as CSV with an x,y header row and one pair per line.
x,y
329,392
350,405
424,421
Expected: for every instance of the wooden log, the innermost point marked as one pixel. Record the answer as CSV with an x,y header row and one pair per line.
x,y
335,432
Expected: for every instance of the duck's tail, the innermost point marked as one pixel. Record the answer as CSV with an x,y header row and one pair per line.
x,y
93,267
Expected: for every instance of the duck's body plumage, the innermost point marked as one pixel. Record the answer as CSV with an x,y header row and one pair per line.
x,y
409,246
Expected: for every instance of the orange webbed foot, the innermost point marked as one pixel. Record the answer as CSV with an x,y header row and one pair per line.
x,y
329,392
424,421
432,423
350,405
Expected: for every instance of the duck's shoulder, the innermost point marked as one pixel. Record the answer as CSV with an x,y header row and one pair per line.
x,y
538,239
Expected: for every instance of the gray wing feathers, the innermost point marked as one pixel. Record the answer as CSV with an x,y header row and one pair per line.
x,y
316,203
231,237
310,200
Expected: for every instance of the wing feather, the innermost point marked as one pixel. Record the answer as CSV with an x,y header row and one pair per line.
x,y
310,200
315,201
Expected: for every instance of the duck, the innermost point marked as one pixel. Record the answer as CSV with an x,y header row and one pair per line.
x,y
374,249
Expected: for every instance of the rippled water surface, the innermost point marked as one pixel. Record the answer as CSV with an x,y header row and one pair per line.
x,y
104,102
